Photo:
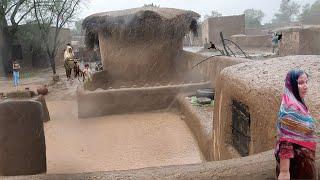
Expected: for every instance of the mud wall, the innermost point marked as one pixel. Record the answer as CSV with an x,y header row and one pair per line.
x,y
290,43
259,86
255,31
261,166
150,58
29,95
127,100
300,41
310,41
209,69
181,70
229,25
23,150
252,41
201,129
205,31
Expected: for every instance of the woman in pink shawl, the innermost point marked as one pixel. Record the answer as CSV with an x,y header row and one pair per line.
x,y
296,142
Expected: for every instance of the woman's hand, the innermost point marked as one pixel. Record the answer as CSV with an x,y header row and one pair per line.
x,y
284,175
284,169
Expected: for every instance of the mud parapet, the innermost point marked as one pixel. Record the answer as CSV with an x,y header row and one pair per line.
x,y
127,100
22,141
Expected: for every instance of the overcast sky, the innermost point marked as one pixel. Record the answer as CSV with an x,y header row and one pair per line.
x,y
226,7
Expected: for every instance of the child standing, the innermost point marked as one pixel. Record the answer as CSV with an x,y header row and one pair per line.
x,y
87,73
16,75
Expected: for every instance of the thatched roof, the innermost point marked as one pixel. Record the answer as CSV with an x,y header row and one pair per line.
x,y
147,22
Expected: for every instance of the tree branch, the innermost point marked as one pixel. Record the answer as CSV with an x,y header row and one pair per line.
x,y
30,9
70,14
14,13
9,9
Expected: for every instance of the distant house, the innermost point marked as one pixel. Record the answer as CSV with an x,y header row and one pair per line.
x,y
299,40
229,25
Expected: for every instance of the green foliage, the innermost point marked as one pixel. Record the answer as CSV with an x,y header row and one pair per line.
x,y
310,11
77,30
29,35
194,101
253,18
289,9
213,14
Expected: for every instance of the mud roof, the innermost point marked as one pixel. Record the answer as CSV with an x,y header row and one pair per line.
x,y
138,23
298,28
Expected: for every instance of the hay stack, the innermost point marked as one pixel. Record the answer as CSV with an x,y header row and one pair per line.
x,y
145,22
139,43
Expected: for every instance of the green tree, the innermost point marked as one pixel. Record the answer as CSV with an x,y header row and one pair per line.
x,y
310,11
289,9
51,16
253,18
213,14
12,14
77,30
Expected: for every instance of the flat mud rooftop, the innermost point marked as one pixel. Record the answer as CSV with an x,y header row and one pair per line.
x,y
117,142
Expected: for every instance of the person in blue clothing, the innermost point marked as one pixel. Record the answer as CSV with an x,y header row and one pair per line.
x,y
275,41
16,74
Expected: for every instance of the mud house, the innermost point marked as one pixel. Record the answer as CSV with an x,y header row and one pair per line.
x,y
248,97
139,43
139,48
299,40
229,25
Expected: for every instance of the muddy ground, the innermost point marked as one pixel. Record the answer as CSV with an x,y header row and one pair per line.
x,y
118,142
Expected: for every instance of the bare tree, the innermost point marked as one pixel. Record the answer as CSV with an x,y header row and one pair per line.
x,y
51,17
253,18
288,10
310,13
15,12
213,14
12,13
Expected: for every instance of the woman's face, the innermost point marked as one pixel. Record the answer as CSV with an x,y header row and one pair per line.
x,y
302,85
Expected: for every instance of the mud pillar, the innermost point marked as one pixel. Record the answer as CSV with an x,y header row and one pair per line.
x,y
22,141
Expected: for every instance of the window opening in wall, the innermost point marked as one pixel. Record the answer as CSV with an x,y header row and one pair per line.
x,y
240,127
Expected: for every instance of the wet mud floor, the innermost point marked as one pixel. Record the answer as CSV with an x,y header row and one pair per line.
x,y
117,142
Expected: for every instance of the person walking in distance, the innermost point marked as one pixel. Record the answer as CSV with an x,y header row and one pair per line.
x,y
16,74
